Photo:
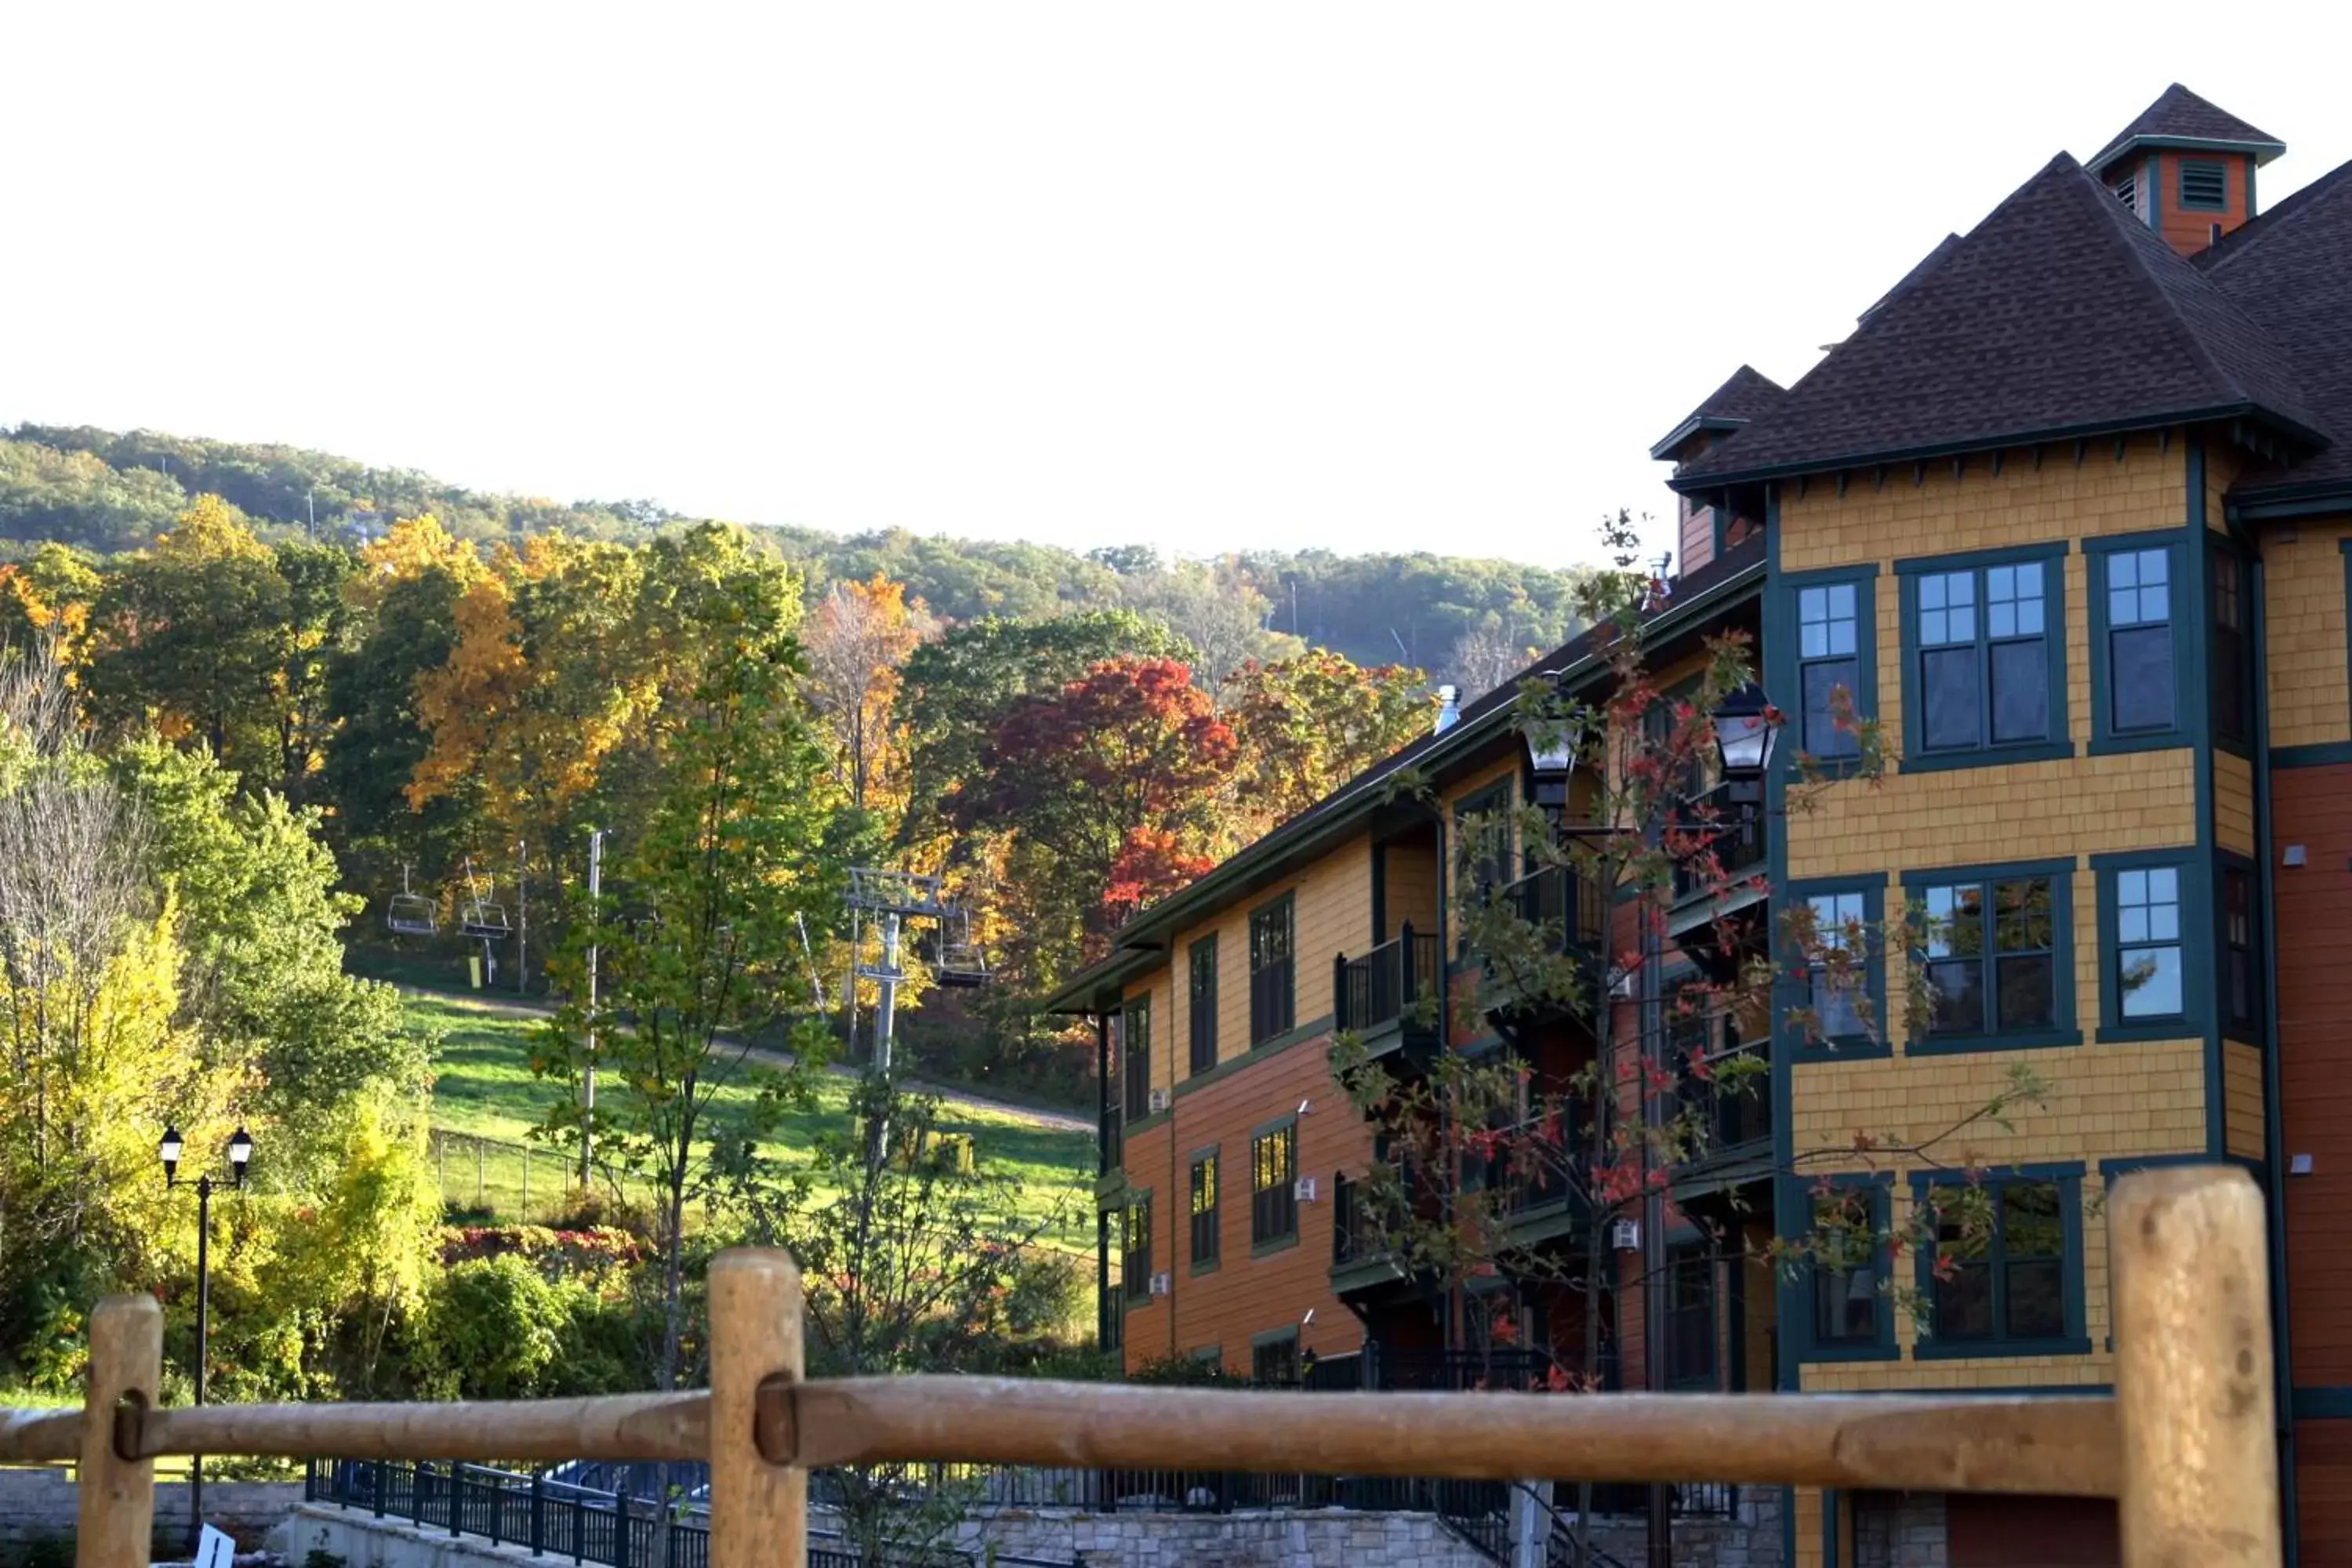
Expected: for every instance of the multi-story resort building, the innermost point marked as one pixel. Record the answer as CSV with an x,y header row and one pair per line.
x,y
2069,514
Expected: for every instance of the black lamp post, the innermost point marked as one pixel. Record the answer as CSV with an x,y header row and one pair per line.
x,y
1744,735
240,1155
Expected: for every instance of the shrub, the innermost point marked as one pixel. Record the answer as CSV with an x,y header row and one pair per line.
x,y
492,1330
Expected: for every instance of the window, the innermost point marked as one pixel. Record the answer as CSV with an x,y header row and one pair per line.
x,y
1273,1201
1690,1316
1135,1056
2234,687
2001,1264
2240,976
1271,997
1828,619
2127,191
2204,185
1274,1360
2148,972
1482,827
2139,640
1201,1005
1204,1210
1994,946
1840,925
1847,1252
1135,1248
1985,659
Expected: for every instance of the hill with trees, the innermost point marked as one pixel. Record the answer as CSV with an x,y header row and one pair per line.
x,y
1465,620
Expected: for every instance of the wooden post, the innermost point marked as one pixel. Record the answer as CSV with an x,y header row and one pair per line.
x,y
758,1511
118,1495
2193,1371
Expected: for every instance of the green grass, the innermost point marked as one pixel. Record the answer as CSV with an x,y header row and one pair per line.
x,y
485,1091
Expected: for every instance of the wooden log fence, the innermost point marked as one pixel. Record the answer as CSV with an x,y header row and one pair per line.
x,y
2184,1444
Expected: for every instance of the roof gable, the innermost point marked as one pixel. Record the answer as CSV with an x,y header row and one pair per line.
x,y
1747,394
2059,313
2178,118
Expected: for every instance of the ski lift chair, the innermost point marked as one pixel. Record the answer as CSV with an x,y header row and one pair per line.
x,y
484,920
411,914
958,961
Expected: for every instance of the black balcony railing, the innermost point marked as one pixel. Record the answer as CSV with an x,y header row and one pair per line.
x,y
1566,903
1386,984
1531,1165
1729,1105
1722,843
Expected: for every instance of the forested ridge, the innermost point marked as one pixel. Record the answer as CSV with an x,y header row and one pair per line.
x,y
1464,619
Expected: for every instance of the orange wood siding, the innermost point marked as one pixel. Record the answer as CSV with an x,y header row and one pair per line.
x,y
2314,808
2323,1490
1244,1296
2190,231
1698,537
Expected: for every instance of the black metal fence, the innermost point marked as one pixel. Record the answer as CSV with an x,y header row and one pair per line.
x,y
1382,985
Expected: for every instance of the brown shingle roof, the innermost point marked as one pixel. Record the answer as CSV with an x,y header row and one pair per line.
x,y
2059,313
2179,115
2291,270
1748,394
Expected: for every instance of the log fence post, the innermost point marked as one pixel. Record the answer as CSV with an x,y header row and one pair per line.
x,y
759,1510
2193,1376
116,1507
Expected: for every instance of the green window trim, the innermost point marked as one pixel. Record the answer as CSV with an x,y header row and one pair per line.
x,y
1135,1058
1798,1296
2188,685
1795,990
1135,1285
1274,969
1788,666
1201,1007
2192,904
2063,1030
1205,1178
1274,1219
2233,874
2074,1338
2057,738
1286,1341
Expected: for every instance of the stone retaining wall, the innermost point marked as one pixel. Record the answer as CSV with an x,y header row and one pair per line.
x,y
38,1505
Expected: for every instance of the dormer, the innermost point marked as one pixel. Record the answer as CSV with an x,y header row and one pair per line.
x,y
2186,169
1705,527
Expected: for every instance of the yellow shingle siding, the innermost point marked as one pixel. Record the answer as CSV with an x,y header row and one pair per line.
x,y
2303,592
2233,803
2023,811
2241,1101
1982,510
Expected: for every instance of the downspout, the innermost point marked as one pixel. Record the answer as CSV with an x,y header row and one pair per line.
x,y
2273,1117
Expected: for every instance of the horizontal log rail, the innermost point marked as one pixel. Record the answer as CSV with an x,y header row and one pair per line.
x,y
2185,1446
1890,1443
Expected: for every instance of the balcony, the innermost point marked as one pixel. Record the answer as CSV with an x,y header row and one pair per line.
x,y
1362,1258
1391,996
1541,1187
1724,852
1564,915
1732,1121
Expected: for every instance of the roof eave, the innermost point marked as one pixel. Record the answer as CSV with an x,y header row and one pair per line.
x,y
1689,484
2263,152
1316,827
2284,502
1665,448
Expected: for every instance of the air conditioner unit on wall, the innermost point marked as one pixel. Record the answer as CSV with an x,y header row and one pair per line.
x,y
1159,1284
1159,1101
1625,1236
1303,1189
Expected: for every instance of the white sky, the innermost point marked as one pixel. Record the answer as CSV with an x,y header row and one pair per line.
x,y
1350,275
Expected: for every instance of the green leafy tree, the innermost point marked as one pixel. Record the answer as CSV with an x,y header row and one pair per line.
x,y
740,848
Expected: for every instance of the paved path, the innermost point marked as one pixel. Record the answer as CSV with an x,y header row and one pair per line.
x,y
960,1098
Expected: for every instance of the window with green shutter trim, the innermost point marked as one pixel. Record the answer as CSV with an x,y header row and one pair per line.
x,y
1205,1209
1201,1004
1135,1248
2004,1272
1135,1056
